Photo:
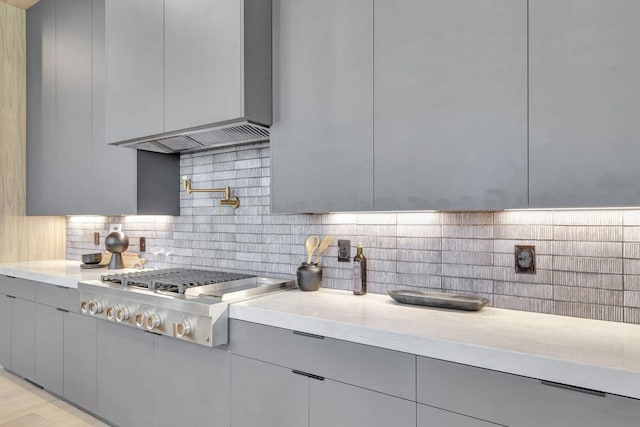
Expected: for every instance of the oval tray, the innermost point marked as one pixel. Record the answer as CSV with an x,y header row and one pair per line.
x,y
439,299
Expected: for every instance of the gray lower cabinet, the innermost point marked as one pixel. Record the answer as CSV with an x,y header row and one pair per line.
x,y
191,384
429,416
23,338
450,87
518,401
335,404
49,349
267,395
80,355
283,377
322,135
5,331
584,103
125,394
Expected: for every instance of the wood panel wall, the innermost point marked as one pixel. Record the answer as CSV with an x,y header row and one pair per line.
x,y
23,4
22,238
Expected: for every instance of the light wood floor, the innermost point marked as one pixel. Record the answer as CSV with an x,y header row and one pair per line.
x,y
23,404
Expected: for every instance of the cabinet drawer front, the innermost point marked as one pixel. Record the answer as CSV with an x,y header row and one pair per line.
x,y
374,368
335,404
20,288
429,416
59,297
517,401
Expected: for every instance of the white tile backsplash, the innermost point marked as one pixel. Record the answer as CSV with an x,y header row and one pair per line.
x,y
588,260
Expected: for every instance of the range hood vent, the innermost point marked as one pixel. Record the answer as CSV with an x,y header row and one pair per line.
x,y
201,138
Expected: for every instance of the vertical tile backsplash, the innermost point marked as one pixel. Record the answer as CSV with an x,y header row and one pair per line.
x,y
588,261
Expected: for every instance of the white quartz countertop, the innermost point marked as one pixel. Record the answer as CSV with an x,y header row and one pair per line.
x,y
586,353
56,272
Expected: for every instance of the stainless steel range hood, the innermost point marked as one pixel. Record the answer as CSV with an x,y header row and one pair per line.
x,y
227,98
201,138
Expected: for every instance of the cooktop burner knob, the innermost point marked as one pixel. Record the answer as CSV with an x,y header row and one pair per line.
x,y
183,328
122,314
140,320
111,312
84,307
153,321
95,308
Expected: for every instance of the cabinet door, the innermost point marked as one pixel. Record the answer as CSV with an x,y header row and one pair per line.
x,y
80,360
5,331
322,135
518,401
584,103
41,108
125,375
203,60
450,104
23,338
334,404
198,374
135,69
429,416
73,106
49,348
267,395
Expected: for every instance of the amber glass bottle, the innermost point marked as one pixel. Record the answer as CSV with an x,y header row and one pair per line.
x,y
359,272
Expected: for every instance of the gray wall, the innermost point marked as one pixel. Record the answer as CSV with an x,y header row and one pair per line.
x,y
588,260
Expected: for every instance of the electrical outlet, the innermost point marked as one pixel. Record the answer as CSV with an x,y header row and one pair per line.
x,y
525,259
344,250
143,244
96,238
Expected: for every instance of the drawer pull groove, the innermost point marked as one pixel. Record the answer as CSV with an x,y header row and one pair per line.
x,y
574,388
306,374
62,310
10,296
306,334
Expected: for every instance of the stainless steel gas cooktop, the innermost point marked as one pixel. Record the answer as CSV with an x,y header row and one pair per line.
x,y
186,304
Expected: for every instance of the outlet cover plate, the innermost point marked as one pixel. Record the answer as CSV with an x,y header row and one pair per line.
x,y
344,250
525,259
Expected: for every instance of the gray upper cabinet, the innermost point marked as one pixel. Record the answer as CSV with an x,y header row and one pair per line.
x,y
450,104
135,68
70,169
322,135
584,103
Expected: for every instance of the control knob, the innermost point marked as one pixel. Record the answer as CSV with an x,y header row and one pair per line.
x,y
183,328
122,314
153,321
84,307
95,308
140,319
111,312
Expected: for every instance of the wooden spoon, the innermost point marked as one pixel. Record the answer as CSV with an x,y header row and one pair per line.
x,y
326,242
311,244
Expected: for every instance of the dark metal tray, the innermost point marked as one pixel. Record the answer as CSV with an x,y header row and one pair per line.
x,y
439,299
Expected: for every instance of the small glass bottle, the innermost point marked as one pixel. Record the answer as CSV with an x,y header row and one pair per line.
x,y
359,272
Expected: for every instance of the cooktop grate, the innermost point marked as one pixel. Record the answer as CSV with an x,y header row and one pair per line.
x,y
172,280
